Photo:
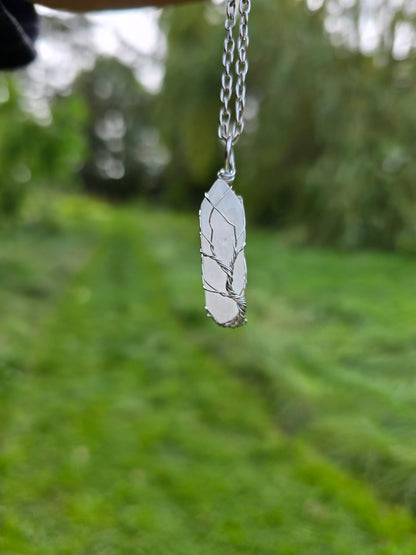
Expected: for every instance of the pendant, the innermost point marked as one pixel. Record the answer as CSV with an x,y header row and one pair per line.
x,y
223,238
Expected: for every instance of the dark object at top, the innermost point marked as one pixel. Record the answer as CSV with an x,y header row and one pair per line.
x,y
19,27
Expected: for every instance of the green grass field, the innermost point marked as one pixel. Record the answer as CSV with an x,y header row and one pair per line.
x,y
131,424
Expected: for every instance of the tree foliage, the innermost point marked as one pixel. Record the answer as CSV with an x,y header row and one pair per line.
x,y
124,153
328,144
328,147
45,151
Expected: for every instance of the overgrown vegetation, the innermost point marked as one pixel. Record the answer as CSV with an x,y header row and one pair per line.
x,y
328,150
37,150
129,423
329,142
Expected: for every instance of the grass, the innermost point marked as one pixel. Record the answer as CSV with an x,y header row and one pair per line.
x,y
130,424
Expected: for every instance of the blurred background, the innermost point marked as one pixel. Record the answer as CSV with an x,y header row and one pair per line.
x,y
129,423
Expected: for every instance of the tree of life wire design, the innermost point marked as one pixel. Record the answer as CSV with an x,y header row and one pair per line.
x,y
228,269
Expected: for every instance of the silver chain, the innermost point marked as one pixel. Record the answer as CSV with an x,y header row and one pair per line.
x,y
222,218
229,131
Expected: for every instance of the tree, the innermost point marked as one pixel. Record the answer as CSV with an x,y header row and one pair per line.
x,y
328,144
125,156
39,152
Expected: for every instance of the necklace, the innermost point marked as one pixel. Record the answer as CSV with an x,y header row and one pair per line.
x,y
222,218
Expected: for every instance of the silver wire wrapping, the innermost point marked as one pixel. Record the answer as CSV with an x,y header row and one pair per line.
x,y
224,271
222,217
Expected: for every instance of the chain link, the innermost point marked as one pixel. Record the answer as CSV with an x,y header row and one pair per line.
x,y
227,131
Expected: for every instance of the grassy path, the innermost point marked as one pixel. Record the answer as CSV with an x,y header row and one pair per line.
x,y
136,426
331,348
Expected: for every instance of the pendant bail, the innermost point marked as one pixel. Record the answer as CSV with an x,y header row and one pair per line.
x,y
227,174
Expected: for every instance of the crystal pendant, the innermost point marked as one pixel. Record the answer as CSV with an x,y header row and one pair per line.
x,y
224,271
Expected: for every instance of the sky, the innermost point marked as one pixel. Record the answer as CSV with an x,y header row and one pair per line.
x,y
137,28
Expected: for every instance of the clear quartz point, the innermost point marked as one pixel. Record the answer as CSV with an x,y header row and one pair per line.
x,y
223,238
